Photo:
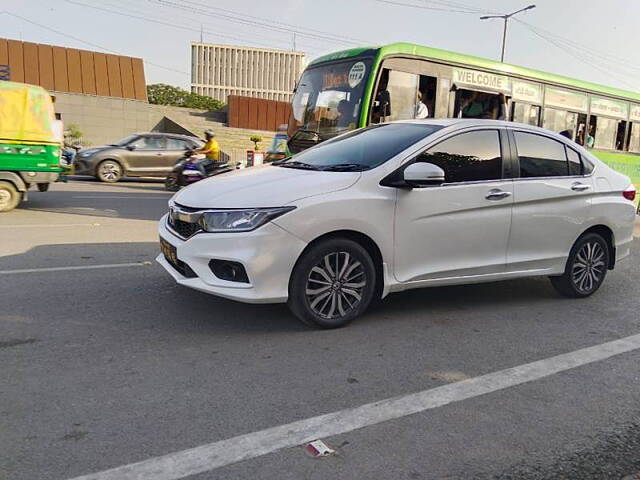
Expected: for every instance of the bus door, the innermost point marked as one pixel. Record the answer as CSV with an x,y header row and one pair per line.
x,y
633,139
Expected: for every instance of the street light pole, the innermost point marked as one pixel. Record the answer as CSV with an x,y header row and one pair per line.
x,y
506,21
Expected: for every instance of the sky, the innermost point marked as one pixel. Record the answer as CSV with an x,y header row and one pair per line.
x,y
593,40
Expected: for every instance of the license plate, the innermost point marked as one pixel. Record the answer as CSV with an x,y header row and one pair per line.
x,y
169,251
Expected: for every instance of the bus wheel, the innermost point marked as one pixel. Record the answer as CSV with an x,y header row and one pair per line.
x,y
9,196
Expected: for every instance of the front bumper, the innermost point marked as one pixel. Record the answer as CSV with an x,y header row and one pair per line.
x,y
268,255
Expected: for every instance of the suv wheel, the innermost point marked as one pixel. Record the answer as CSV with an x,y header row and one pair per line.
x,y
109,171
332,283
9,197
586,267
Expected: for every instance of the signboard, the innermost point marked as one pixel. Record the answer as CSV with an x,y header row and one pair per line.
x,y
525,91
482,80
635,113
5,72
566,99
609,108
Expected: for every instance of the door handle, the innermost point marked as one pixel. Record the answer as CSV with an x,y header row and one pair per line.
x,y
580,187
497,194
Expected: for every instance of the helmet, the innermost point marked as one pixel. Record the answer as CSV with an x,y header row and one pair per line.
x,y
209,133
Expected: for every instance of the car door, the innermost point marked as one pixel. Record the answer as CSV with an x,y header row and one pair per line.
x,y
461,228
552,198
146,154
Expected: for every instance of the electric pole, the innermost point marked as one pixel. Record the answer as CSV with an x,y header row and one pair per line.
x,y
506,20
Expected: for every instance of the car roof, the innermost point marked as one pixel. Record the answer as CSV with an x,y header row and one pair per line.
x,y
171,135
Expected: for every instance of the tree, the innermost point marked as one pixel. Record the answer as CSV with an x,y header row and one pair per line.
x,y
72,135
163,94
256,139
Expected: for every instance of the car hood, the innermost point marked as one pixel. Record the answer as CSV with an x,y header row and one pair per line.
x,y
262,186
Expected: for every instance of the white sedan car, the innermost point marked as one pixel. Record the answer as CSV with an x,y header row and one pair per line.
x,y
397,206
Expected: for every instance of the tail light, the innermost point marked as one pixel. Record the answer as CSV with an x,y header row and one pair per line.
x,y
629,193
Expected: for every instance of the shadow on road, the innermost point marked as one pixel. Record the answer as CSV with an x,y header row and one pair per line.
x,y
127,205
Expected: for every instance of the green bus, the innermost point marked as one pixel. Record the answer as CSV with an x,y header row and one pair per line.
x,y
357,87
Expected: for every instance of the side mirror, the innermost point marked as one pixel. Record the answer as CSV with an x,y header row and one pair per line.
x,y
131,147
421,174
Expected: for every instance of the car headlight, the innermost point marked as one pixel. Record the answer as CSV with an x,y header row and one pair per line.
x,y
86,153
239,220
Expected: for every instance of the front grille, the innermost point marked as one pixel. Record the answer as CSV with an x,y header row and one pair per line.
x,y
184,229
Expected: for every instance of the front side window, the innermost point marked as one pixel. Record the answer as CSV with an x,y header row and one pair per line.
x,y
176,144
362,149
540,156
468,157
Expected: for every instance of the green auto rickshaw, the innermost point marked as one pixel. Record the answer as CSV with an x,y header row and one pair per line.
x,y
30,142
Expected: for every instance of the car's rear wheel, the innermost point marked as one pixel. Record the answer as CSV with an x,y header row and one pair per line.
x,y
586,267
9,196
109,171
332,283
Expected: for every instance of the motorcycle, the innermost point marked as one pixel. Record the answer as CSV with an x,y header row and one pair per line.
x,y
186,172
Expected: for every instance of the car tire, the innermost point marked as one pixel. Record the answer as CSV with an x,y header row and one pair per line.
x,y
9,196
332,283
109,171
586,267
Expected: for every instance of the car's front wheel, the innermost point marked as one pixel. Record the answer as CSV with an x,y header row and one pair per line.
x,y
332,283
109,171
586,267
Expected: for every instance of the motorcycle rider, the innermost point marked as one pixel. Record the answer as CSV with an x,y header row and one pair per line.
x,y
211,149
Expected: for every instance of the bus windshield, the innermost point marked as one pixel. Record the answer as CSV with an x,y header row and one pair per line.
x,y
328,98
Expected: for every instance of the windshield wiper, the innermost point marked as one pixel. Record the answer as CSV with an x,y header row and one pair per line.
x,y
346,167
297,164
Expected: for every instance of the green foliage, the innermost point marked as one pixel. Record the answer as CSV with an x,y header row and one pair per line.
x,y
162,94
256,139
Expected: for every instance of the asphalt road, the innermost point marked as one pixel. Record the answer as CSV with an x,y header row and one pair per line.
x,y
104,367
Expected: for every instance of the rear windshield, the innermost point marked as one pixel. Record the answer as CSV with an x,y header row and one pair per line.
x,y
365,148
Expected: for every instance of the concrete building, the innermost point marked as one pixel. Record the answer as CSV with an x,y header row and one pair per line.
x,y
221,70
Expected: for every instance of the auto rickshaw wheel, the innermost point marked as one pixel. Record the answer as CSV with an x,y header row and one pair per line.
x,y
9,196
43,187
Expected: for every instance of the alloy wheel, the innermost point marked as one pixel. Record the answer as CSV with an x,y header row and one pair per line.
x,y
110,171
336,285
589,267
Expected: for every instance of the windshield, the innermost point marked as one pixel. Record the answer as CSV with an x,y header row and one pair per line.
x,y
362,149
328,98
125,141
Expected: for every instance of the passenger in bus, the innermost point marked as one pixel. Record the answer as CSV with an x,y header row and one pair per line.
x,y
421,109
591,140
471,105
345,114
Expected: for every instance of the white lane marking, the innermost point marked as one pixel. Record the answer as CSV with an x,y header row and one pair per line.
x,y
128,197
43,225
218,454
79,267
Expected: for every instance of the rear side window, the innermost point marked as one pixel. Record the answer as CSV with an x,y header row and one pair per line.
x,y
468,157
575,163
540,156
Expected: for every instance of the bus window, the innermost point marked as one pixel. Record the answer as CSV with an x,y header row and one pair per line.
x,y
525,113
634,138
398,100
476,104
622,130
562,120
605,133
